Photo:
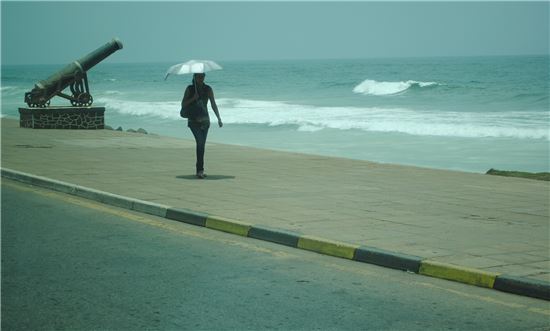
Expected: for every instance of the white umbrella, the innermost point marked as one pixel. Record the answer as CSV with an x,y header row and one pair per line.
x,y
192,67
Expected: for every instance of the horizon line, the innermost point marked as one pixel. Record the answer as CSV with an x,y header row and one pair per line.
x,y
299,59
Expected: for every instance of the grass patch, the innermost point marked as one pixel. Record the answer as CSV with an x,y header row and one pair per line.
x,y
520,174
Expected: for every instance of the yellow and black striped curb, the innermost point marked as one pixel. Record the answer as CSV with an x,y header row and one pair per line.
x,y
517,285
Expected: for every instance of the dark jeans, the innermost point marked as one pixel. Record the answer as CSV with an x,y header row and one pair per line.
x,y
200,138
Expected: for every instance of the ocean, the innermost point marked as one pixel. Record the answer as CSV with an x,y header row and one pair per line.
x,y
459,113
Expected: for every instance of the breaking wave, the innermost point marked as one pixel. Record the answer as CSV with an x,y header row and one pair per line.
x,y
10,90
520,124
372,87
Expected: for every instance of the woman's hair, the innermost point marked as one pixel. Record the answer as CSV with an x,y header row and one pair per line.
x,y
193,80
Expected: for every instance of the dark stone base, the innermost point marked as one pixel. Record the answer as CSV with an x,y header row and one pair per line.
x,y
82,118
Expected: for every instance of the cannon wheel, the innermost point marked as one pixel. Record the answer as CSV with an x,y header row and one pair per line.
x,y
82,100
28,101
39,105
85,99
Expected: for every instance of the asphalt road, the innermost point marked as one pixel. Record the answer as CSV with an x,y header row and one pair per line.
x,y
72,264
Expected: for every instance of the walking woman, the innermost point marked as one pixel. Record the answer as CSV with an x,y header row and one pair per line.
x,y
198,120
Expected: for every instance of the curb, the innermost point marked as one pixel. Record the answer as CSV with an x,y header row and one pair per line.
x,y
459,274
88,193
511,284
327,247
388,259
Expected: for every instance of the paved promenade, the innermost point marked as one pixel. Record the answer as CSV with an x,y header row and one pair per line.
x,y
490,223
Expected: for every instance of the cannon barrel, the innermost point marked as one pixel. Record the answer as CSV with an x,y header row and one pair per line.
x,y
73,75
89,61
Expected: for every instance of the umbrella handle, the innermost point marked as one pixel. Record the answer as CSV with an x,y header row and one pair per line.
x,y
196,91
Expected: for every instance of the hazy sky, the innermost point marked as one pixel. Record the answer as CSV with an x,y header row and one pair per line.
x,y
60,32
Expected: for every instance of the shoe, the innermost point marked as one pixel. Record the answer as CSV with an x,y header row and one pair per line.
x,y
201,175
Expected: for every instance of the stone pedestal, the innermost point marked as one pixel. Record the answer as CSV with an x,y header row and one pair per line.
x,y
84,118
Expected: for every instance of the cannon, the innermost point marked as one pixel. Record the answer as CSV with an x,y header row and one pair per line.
x,y
74,76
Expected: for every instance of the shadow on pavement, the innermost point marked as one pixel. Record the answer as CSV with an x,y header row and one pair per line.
x,y
208,177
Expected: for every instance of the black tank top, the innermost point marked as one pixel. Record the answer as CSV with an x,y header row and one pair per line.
x,y
204,92
202,120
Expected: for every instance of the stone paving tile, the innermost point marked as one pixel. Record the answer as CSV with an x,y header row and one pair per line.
x,y
514,269
542,265
521,258
521,271
412,248
545,276
482,250
539,253
471,261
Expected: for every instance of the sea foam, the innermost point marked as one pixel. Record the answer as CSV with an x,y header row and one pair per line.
x,y
307,118
163,110
10,90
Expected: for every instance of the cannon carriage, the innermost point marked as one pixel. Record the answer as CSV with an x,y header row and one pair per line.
x,y
74,76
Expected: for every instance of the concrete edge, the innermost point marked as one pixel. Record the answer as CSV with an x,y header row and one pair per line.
x,y
186,216
88,193
511,284
277,236
149,208
457,273
327,247
103,197
40,181
388,259
523,286
227,225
